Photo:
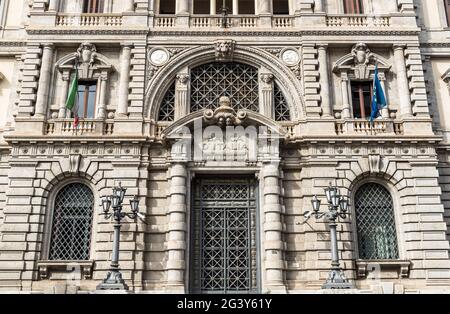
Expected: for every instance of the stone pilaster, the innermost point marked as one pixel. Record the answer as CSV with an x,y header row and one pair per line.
x,y
311,80
346,110
274,246
417,84
177,228
30,77
137,83
101,111
266,106
124,84
324,81
129,6
406,6
182,88
64,92
402,81
182,12
54,5
44,81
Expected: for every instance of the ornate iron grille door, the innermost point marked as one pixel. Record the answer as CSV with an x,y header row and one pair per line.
x,y
377,236
72,224
224,258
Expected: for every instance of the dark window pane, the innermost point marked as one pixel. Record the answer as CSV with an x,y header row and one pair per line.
x,y
202,7
281,7
167,6
361,99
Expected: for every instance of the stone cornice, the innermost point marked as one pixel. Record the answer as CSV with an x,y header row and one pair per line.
x,y
87,31
272,33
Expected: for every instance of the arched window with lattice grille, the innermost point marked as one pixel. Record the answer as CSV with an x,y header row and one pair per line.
x,y
209,82
375,222
167,108
282,112
71,227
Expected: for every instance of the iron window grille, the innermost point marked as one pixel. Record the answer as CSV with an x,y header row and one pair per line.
x,y
167,108
282,112
211,81
375,220
237,81
72,224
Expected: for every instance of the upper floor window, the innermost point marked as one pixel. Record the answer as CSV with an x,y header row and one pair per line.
x,y
281,7
87,95
353,7
375,222
72,224
93,6
447,11
167,6
362,99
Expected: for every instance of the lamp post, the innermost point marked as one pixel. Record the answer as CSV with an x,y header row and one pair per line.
x,y
337,208
224,14
114,280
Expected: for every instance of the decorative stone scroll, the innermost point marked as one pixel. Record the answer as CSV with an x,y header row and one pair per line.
x,y
225,115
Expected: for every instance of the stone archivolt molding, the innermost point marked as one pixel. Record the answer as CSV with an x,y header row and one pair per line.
x,y
189,58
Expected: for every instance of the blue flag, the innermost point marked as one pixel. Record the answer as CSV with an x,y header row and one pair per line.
x,y
379,99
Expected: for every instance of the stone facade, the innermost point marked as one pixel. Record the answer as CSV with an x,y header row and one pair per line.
x,y
313,55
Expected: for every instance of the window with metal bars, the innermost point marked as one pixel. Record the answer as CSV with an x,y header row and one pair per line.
x,y
72,224
375,221
211,81
282,112
167,108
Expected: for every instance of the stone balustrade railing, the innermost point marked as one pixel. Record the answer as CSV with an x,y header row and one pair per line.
x,y
215,21
365,127
253,21
89,20
357,21
66,127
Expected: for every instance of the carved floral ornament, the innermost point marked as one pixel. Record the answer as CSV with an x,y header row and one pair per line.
x,y
360,63
225,115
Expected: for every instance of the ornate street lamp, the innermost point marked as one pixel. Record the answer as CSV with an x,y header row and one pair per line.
x,y
224,14
114,280
337,208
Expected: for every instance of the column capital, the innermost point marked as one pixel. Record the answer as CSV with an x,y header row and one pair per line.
x,y
48,45
127,45
322,46
400,46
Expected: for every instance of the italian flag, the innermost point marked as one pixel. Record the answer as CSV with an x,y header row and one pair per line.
x,y
72,99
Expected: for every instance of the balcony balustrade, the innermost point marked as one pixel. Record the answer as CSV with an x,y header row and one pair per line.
x,y
89,20
365,127
90,127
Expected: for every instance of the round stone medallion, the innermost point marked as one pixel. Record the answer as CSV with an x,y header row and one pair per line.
x,y
159,56
290,56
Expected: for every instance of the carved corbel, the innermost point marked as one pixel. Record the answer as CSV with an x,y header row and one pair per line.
x,y
375,164
74,163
